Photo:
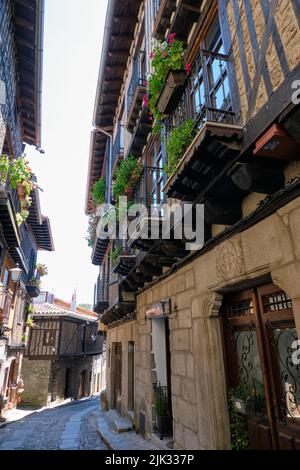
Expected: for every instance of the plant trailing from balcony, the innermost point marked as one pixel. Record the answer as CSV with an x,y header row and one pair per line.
x,y
179,140
19,175
29,322
4,169
165,56
126,176
98,192
41,269
91,231
115,253
22,216
35,282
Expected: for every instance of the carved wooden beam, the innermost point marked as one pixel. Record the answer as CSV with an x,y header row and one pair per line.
x,y
253,178
222,212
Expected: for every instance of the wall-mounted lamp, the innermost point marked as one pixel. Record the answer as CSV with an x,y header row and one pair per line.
x,y
16,274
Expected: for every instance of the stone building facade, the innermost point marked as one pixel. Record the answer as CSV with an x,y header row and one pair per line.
x,y
21,37
201,337
65,356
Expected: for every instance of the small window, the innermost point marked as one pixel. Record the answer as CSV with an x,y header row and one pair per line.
x,y
49,338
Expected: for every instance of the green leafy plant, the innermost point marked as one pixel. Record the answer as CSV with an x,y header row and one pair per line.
x,y
35,282
29,322
24,338
98,192
91,231
4,168
22,216
238,426
126,175
41,269
180,138
115,253
161,406
165,56
20,173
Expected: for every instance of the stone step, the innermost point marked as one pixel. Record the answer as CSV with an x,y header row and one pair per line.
x,y
119,423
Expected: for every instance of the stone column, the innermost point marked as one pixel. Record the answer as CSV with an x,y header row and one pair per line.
x,y
287,277
213,420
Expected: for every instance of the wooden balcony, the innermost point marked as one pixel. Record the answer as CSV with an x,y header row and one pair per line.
x,y
121,304
175,17
100,296
8,218
63,336
136,91
217,140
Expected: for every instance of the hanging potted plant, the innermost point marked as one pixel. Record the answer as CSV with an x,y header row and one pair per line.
x,y
42,270
126,177
166,83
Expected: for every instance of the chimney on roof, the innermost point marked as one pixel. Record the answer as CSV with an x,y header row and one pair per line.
x,y
74,302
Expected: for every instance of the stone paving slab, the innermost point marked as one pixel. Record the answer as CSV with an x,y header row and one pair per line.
x,y
119,441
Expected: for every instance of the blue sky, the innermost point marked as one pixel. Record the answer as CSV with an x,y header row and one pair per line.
x,y
72,50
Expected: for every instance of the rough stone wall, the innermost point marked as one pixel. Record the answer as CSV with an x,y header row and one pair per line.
x,y
289,32
197,365
36,382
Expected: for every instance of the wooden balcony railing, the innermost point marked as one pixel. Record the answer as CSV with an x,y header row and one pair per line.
x,y
136,91
101,295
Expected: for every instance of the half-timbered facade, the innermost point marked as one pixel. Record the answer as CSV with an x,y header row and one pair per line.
x,y
21,27
206,335
64,357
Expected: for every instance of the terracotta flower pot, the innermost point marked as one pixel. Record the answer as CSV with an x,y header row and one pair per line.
x,y
21,191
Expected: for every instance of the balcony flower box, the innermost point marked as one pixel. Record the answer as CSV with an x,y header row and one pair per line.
x,y
171,91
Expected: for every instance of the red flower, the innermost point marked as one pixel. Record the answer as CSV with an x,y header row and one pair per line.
x,y
146,100
172,38
152,55
164,54
187,68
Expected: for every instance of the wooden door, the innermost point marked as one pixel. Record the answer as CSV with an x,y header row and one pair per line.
x,y
259,332
283,365
82,386
118,377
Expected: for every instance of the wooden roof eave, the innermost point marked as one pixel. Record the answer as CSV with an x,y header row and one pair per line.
x,y
116,44
28,17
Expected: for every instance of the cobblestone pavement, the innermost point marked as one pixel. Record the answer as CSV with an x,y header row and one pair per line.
x,y
62,428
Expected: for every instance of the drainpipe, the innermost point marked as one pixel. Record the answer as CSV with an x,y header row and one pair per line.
x,y
103,131
39,69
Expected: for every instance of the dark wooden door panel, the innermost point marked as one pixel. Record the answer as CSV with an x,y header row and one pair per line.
x,y
259,331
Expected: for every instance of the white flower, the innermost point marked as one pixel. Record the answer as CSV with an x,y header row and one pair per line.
x,y
164,45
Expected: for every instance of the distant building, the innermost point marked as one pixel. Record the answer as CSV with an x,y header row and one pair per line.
x,y
65,355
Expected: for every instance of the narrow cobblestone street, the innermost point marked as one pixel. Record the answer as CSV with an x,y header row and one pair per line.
x,y
67,427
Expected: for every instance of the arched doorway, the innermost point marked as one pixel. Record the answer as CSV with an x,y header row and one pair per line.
x,y
263,376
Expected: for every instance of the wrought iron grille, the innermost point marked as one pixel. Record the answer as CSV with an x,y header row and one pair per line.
x,y
276,302
250,389
137,80
287,354
163,413
241,308
207,95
